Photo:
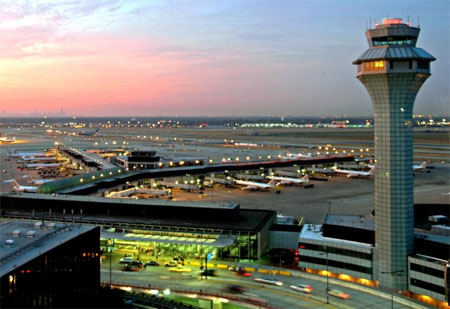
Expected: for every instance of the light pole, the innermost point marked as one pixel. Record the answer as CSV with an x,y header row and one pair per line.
x,y
397,272
110,266
281,256
326,291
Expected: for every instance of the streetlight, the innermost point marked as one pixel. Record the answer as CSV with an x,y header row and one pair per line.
x,y
326,253
281,257
398,273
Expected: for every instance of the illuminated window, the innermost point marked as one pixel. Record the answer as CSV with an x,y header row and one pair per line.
x,y
374,65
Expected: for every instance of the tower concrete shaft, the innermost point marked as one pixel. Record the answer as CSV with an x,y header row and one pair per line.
x,y
393,70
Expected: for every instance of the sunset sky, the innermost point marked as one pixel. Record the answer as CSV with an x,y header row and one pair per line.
x,y
207,58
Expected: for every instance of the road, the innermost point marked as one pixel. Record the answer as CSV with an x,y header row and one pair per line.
x,y
277,296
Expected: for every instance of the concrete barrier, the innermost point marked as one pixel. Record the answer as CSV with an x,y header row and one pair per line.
x,y
285,273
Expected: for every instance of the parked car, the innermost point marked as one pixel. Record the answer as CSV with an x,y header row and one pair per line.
x,y
171,264
126,259
133,265
151,263
339,294
302,288
269,281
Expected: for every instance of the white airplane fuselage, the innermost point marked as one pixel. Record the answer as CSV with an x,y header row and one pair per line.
x,y
251,185
288,180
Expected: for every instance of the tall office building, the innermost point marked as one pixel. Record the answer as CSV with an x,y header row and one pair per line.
x,y
393,69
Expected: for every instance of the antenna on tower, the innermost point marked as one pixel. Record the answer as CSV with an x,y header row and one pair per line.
x,y
408,18
418,22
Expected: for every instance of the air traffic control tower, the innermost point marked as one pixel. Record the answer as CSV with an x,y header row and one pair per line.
x,y
393,69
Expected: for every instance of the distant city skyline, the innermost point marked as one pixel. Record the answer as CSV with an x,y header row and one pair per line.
x,y
203,58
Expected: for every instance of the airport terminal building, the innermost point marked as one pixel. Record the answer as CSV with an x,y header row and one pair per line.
x,y
155,228
345,246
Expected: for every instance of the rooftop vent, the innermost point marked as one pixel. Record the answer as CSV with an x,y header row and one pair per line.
x,y
16,233
38,224
9,243
31,234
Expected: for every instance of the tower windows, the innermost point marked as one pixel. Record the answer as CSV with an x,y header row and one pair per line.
x,y
423,65
374,65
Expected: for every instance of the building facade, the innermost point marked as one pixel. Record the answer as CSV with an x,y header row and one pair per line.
x,y
393,69
48,265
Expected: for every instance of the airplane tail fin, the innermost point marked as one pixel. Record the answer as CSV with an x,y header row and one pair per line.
x,y
424,164
306,177
372,169
15,184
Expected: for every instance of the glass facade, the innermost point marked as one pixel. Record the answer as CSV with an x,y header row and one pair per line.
x,y
394,40
160,244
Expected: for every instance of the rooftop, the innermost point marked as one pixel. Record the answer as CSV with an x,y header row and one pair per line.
x,y
352,221
393,53
148,202
314,231
26,247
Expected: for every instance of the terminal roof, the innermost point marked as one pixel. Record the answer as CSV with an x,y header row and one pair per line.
x,y
353,221
149,202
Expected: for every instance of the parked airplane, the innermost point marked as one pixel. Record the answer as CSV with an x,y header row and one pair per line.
x,y
87,133
19,188
41,181
41,165
420,167
28,154
251,185
38,159
5,140
355,174
293,156
288,180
